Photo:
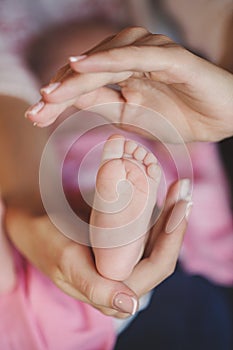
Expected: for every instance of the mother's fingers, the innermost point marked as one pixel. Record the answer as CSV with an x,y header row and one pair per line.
x,y
125,37
80,84
163,249
68,264
63,72
116,65
100,101
75,85
44,114
79,278
138,58
161,263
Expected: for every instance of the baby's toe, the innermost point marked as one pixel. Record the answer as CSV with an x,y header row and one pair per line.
x,y
113,148
130,147
154,171
150,159
140,153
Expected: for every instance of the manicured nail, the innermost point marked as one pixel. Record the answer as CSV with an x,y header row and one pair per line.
x,y
178,214
188,210
35,109
50,88
185,190
125,303
74,59
35,124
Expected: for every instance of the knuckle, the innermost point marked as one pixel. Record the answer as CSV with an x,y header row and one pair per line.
x,y
116,54
57,276
90,288
66,259
134,30
87,289
108,312
161,40
152,40
65,254
121,316
170,269
134,50
162,37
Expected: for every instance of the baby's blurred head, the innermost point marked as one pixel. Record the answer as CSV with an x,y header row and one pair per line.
x,y
51,49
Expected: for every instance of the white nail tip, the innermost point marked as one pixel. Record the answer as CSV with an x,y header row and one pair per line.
x,y
74,59
135,306
184,190
36,108
50,88
188,210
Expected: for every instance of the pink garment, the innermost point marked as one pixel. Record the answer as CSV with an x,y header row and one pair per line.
x,y
207,249
208,244
36,315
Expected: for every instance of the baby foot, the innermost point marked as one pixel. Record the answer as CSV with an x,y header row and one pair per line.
x,y
126,192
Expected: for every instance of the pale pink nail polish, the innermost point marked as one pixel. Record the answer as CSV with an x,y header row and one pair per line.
x,y
177,216
35,109
125,303
74,59
50,88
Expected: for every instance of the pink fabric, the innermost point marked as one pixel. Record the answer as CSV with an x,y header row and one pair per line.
x,y
36,315
207,249
208,244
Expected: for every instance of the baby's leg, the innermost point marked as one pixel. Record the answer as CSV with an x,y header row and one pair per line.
x,y
126,192
7,270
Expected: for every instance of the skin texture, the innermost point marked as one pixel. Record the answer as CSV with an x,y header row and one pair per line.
x,y
69,265
170,79
123,162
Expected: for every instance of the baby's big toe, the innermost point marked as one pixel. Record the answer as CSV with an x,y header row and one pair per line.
x,y
113,148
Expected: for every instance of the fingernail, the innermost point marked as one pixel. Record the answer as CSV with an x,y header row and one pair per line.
x,y
35,109
188,210
180,212
74,59
184,190
35,124
125,303
50,88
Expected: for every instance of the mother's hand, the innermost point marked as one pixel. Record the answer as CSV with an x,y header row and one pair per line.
x,y
163,248
68,264
71,267
151,70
